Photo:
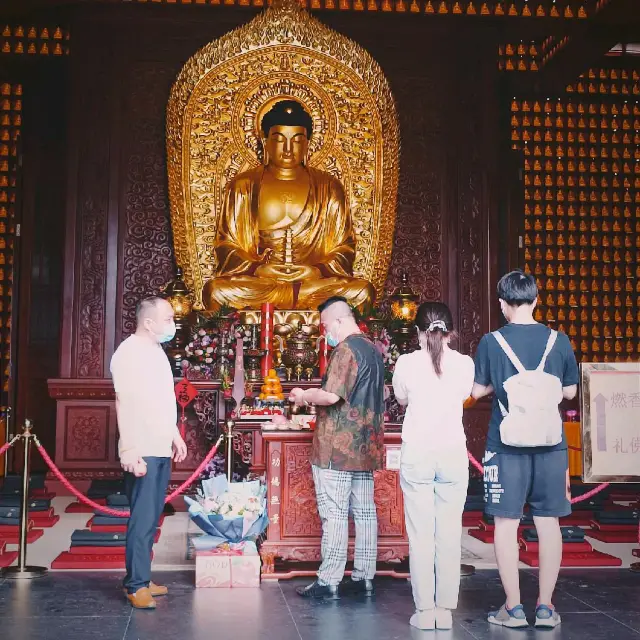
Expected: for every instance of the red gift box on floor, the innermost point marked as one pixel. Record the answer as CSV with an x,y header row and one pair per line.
x,y
228,567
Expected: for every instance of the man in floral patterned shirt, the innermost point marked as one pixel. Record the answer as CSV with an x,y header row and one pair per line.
x,y
348,446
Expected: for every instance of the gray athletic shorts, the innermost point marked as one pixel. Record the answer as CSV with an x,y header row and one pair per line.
x,y
513,479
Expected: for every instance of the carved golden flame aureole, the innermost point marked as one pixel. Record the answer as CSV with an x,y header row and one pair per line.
x,y
213,131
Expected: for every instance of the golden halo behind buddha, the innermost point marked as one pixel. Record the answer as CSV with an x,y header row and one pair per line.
x,y
213,131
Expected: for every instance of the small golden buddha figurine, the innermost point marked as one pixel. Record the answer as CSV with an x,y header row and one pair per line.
x,y
286,234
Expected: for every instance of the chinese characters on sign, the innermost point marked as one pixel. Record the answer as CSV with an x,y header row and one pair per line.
x,y
612,411
274,488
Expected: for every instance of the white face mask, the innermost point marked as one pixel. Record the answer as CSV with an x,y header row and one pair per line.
x,y
167,333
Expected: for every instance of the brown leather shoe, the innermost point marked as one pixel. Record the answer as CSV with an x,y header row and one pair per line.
x,y
141,599
157,589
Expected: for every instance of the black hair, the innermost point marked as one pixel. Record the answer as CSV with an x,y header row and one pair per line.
x,y
286,113
438,313
517,288
329,301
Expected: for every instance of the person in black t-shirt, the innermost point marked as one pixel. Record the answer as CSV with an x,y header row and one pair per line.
x,y
514,476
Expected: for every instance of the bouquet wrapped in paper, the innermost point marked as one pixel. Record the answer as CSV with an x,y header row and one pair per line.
x,y
228,513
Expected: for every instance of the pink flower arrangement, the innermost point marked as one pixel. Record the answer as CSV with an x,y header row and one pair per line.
x,y
202,350
389,352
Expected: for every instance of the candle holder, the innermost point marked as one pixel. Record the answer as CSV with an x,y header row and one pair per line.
x,y
254,356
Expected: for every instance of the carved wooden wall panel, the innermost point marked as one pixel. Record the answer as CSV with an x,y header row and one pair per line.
x,y
89,434
477,143
417,248
146,261
86,266
300,519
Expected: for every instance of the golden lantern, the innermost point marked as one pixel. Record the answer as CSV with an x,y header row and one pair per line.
x,y
179,296
404,306
404,303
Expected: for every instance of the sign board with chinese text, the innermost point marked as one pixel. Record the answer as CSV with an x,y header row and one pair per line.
x,y
611,422
392,458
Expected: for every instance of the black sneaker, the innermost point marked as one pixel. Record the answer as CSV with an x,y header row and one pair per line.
x,y
349,587
317,590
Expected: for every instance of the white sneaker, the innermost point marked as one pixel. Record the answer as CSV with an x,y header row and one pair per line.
x,y
444,619
425,619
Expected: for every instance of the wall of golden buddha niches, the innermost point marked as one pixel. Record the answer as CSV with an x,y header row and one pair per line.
x,y
582,210
10,126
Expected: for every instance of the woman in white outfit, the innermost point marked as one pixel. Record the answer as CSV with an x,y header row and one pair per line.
x,y
434,383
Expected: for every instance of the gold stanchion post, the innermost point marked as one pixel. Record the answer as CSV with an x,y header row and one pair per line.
x,y
229,435
23,571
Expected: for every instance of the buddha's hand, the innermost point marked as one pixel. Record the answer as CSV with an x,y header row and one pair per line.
x,y
266,256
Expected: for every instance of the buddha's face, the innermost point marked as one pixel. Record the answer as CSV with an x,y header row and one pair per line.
x,y
286,147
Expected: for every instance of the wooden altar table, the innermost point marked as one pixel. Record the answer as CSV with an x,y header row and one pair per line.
x,y
292,544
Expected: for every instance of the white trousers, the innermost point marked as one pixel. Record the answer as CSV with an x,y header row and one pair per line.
x,y
434,485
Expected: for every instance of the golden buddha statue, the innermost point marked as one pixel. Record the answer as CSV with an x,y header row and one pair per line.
x,y
285,233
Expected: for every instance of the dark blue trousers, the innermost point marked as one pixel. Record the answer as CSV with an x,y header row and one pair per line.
x,y
146,500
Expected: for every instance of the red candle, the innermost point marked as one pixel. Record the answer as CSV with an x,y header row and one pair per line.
x,y
266,336
323,351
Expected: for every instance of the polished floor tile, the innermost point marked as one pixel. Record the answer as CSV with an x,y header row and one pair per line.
x,y
64,628
595,605
575,626
64,594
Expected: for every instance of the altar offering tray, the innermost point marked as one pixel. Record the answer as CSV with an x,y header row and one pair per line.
x,y
266,413
298,422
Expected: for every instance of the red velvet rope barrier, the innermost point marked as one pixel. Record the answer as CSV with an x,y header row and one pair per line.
x,y
7,445
122,513
4,448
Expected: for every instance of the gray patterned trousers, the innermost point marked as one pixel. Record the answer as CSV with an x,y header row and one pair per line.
x,y
337,493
